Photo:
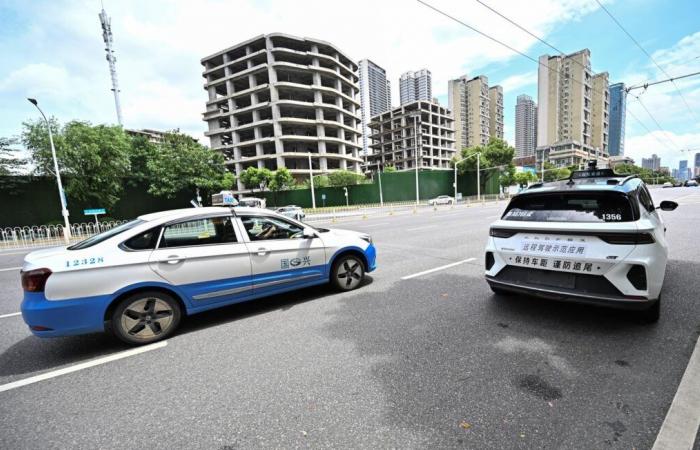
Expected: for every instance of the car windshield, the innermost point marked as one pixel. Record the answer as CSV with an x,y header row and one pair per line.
x,y
96,239
571,207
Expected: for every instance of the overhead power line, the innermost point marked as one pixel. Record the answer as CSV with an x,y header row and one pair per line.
x,y
443,13
646,85
658,125
617,22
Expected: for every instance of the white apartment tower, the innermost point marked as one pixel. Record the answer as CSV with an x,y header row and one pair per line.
x,y
416,85
276,99
525,126
572,109
477,110
375,97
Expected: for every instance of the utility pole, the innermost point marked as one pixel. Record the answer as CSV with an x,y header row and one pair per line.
x,y
311,180
106,22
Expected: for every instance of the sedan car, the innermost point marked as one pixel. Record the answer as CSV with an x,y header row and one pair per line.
x,y
597,238
292,211
441,200
667,184
138,280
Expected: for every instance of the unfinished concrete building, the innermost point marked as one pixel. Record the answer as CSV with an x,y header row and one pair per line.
x,y
394,137
276,98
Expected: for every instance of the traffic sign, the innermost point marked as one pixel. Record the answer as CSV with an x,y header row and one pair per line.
x,y
94,211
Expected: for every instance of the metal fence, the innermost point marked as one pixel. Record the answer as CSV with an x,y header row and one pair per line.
x,y
50,235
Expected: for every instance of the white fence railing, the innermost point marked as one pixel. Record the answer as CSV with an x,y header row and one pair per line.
x,y
50,235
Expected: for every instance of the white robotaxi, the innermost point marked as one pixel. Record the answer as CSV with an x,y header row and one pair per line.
x,y
139,279
595,238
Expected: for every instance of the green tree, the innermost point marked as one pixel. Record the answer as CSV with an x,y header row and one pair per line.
x,y
95,158
254,178
11,163
142,150
522,179
389,169
507,177
341,178
181,163
497,154
282,179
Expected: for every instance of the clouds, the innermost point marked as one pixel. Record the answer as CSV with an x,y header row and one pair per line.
x,y
515,83
661,103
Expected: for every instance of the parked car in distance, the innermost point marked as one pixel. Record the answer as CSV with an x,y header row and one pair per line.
x,y
291,211
691,183
667,184
441,200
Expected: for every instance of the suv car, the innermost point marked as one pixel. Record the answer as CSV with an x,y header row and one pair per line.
x,y
594,238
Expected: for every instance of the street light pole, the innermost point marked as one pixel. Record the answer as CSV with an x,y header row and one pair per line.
x,y
415,140
61,193
311,180
478,178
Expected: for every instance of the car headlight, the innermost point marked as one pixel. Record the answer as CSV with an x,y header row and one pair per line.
x,y
366,237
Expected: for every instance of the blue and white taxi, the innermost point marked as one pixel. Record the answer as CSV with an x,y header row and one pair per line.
x,y
139,279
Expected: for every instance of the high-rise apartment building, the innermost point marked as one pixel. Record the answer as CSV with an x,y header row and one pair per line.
x,y
573,110
618,111
375,97
276,99
653,163
496,112
525,126
477,110
394,135
683,170
696,166
416,85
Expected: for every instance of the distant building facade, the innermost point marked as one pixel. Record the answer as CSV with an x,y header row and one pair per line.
x,y
416,85
525,126
653,163
618,111
477,110
275,99
375,96
394,140
683,170
573,107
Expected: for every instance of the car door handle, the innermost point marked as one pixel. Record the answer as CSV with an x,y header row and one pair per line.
x,y
262,251
172,259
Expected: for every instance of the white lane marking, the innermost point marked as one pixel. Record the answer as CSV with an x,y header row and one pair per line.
x,y
16,253
683,417
421,228
10,268
446,266
376,224
10,315
81,366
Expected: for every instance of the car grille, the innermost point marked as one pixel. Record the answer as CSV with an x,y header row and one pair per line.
x,y
576,283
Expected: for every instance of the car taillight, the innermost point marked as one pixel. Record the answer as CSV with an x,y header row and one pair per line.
x,y
627,238
501,232
35,280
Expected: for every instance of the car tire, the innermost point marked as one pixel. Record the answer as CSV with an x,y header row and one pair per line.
x,y
145,317
347,273
651,315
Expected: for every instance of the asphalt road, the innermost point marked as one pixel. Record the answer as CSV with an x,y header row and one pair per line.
x,y
433,361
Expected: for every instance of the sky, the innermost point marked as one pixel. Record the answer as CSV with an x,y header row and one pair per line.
x,y
53,51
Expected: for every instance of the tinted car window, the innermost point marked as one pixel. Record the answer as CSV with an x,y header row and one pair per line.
x,y
143,241
571,207
262,228
96,239
645,199
212,230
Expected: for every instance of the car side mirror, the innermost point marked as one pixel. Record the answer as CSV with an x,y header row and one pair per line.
x,y
668,205
309,233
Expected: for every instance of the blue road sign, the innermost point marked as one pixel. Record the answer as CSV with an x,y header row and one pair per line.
x,y
92,212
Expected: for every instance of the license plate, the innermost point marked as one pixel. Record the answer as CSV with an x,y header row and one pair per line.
x,y
554,279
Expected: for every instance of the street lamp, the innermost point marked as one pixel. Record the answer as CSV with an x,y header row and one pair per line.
x,y
478,177
61,193
347,201
415,116
311,178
